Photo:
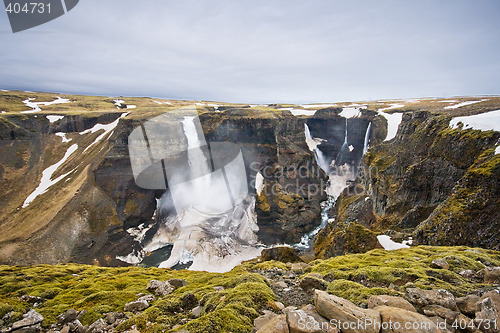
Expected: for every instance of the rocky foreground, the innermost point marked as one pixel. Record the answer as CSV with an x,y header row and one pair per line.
x,y
432,289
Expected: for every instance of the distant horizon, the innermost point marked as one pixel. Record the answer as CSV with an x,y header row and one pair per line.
x,y
292,51
244,102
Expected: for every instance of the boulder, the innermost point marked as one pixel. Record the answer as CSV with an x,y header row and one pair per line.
x,y
308,320
197,311
442,325
160,288
420,298
98,326
489,313
277,324
68,316
177,283
436,310
264,319
396,320
279,305
468,274
492,275
148,298
440,263
310,282
393,301
189,301
112,317
299,266
345,315
468,304
280,253
279,285
31,318
136,306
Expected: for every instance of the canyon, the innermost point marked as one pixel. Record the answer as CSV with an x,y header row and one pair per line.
x,y
333,177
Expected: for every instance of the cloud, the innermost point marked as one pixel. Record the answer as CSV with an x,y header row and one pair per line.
x,y
259,51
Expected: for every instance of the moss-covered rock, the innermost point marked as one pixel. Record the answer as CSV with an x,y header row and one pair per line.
x,y
280,253
343,238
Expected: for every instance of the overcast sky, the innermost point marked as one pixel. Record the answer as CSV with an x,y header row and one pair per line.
x,y
260,51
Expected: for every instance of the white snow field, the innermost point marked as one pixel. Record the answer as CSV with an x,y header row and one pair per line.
x,y
388,244
47,180
464,104
488,121
35,106
108,128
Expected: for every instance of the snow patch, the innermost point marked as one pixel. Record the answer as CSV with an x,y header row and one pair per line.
x,y
3,90
108,128
484,121
497,150
120,103
302,112
393,121
388,244
35,106
351,148
350,112
47,180
393,106
63,136
259,183
53,119
160,103
464,104
133,258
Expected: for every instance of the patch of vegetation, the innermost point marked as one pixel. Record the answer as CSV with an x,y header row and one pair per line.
x,y
101,290
358,276
355,292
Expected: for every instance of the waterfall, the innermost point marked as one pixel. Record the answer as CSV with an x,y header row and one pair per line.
x,y
197,160
343,155
367,138
199,171
318,154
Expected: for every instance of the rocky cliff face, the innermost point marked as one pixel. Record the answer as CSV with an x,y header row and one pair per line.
x,y
68,194
84,216
437,184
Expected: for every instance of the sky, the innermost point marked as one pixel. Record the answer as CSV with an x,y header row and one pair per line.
x,y
260,51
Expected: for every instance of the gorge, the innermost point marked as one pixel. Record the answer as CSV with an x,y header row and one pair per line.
x,y
334,176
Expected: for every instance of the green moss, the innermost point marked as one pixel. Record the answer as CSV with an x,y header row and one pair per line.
x,y
270,264
231,319
381,269
262,203
356,277
486,165
10,306
355,292
380,158
354,237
